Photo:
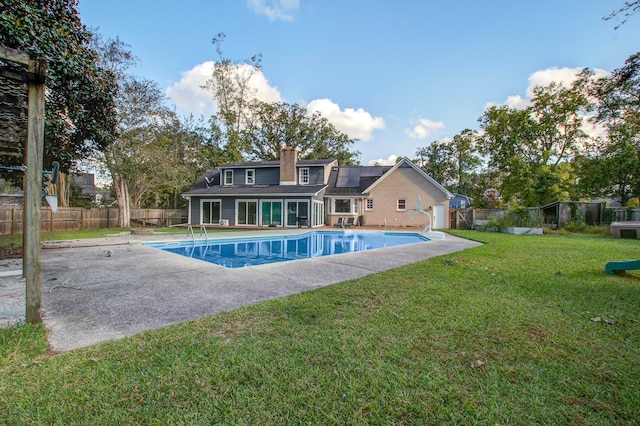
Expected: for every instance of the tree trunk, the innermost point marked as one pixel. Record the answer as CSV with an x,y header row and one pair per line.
x,y
122,197
64,189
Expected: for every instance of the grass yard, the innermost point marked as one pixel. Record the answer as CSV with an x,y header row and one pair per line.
x,y
523,330
11,245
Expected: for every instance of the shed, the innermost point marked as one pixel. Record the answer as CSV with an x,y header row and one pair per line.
x,y
559,214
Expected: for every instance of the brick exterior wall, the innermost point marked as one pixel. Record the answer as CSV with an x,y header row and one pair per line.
x,y
404,183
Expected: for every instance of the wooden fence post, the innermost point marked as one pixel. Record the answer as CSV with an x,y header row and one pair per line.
x,y
33,189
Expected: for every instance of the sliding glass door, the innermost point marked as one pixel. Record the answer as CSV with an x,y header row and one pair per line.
x,y
246,212
297,211
271,212
210,212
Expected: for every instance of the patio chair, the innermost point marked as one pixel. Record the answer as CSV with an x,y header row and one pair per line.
x,y
350,222
339,223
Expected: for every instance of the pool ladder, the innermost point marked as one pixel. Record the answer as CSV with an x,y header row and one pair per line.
x,y
203,231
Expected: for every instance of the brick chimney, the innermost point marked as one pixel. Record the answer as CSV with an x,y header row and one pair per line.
x,y
288,160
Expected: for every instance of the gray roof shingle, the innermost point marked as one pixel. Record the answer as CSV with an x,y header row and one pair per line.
x,y
256,190
274,163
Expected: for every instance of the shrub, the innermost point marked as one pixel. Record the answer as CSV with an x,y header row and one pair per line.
x,y
520,216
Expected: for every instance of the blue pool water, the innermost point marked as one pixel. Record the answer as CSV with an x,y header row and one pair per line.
x,y
238,253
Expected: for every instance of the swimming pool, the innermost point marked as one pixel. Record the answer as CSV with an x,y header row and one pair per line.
x,y
241,252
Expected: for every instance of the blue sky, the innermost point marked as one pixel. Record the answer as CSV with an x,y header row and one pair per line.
x,y
395,75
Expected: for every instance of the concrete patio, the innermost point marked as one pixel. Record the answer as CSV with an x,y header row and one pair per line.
x,y
102,289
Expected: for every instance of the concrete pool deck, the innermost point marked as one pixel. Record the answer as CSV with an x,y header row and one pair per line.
x,y
96,290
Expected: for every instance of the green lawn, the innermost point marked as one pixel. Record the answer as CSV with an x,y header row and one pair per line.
x,y
16,240
522,330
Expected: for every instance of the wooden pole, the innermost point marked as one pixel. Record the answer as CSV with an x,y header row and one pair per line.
x,y
33,189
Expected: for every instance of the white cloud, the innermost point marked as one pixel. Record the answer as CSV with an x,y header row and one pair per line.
x,y
517,102
189,95
565,76
389,161
356,123
424,128
275,9
264,91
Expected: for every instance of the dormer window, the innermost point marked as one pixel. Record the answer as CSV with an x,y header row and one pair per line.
x,y
228,177
303,178
250,177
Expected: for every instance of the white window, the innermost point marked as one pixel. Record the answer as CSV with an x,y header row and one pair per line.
x,y
250,177
303,177
402,204
228,177
369,204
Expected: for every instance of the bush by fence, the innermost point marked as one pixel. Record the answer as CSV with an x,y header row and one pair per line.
x,y
76,218
556,215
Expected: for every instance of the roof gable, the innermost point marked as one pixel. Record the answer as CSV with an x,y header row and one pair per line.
x,y
407,163
275,163
210,178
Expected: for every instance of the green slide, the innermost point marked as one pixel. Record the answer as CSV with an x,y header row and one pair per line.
x,y
621,266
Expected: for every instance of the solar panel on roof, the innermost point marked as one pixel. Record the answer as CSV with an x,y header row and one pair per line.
x,y
343,178
354,177
370,171
348,177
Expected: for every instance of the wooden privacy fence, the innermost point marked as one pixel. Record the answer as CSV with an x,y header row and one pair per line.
x,y
465,218
76,218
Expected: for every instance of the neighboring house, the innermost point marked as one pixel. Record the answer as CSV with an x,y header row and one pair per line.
x,y
87,184
293,192
460,201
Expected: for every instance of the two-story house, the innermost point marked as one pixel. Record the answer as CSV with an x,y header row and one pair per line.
x,y
289,193
292,193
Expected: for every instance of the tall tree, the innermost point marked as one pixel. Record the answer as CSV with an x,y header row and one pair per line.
x,y
612,168
132,158
528,146
549,131
274,125
628,9
140,107
436,160
179,144
79,102
558,114
618,95
233,94
252,129
452,163
465,161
